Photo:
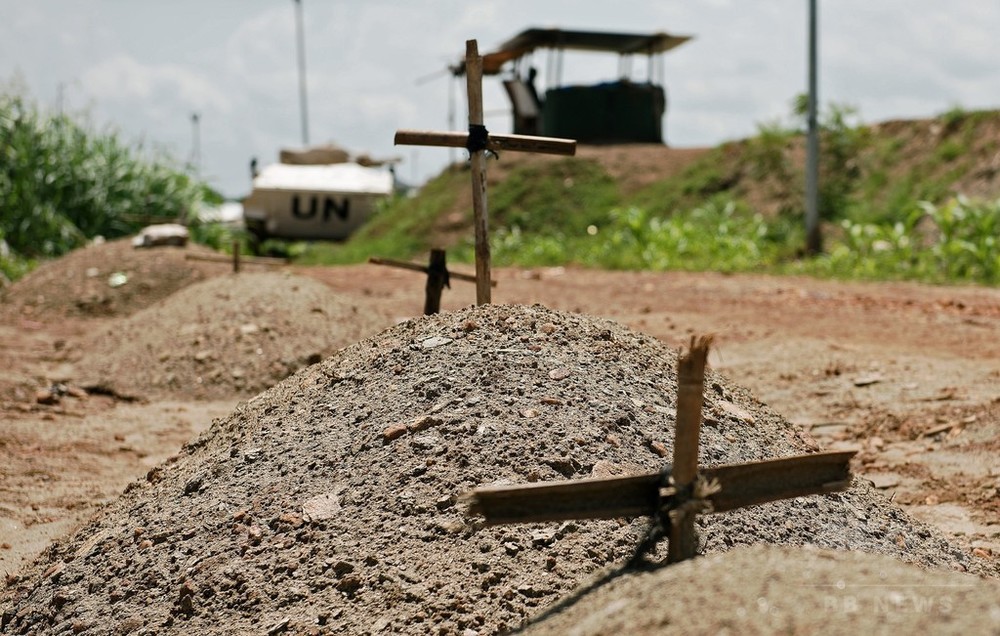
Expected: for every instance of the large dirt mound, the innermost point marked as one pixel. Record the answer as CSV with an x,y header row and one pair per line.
x,y
769,590
328,503
87,282
230,335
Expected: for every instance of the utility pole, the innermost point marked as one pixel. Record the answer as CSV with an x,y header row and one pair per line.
x,y
196,144
302,72
814,238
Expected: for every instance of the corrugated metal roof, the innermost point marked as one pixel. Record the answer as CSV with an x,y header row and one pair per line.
x,y
622,43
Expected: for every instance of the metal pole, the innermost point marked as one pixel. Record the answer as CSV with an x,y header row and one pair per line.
x,y
814,239
196,144
302,72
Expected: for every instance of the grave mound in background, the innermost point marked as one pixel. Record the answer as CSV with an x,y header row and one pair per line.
x,y
81,284
330,502
768,590
230,335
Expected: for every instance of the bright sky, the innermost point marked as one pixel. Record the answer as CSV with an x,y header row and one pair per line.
x,y
143,67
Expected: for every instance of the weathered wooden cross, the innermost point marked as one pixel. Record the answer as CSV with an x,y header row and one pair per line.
x,y
675,496
438,277
478,141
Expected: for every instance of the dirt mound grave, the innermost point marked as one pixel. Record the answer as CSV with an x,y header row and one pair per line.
x,y
108,279
229,335
768,589
329,503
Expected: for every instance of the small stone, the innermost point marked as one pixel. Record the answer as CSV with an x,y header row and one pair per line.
x,y
341,568
529,413
203,355
867,380
394,432
435,341
254,534
145,544
982,553
249,329
547,328
77,392
470,325
47,397
291,519
543,537
659,448
560,374
325,506
423,423
737,412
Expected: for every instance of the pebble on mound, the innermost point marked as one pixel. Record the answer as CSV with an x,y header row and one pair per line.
x,y
771,590
108,279
330,503
230,335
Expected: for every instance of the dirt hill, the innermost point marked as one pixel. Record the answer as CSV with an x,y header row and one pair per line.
x,y
329,504
883,169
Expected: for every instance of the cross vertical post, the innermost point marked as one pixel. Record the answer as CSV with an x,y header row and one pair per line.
x,y
690,387
474,84
437,280
236,257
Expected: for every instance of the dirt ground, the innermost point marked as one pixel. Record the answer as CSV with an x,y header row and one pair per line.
x,y
909,374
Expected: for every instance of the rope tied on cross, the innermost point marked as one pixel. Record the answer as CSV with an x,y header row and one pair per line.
x,y
675,506
479,139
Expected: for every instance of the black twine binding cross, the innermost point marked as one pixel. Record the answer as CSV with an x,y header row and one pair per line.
x,y
478,139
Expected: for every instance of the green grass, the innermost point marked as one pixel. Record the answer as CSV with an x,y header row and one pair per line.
x,y
62,184
886,215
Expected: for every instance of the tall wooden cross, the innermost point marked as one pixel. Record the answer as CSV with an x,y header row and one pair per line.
x,y
675,496
479,141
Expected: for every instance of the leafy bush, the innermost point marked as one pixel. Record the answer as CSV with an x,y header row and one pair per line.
x,y
61,184
956,241
721,235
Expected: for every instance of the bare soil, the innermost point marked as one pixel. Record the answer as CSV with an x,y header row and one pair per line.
x,y
907,373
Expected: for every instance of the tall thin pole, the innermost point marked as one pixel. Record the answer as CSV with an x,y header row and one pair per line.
x,y
196,144
814,239
302,72
477,158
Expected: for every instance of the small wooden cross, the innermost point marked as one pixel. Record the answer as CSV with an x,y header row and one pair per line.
x,y
478,141
676,495
438,277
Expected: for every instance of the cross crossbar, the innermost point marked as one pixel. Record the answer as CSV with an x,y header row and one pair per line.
x,y
741,485
494,142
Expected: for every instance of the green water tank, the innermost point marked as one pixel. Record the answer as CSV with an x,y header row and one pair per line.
x,y
612,112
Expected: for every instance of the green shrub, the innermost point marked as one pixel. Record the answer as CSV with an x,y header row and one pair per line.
x,y
62,184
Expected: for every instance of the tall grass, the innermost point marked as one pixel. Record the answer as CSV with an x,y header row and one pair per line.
x,y
958,241
62,184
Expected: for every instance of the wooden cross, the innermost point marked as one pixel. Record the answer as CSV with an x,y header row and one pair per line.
x,y
478,141
676,495
438,277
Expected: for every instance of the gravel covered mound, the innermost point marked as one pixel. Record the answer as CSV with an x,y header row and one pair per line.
x,y
230,335
81,284
771,590
329,503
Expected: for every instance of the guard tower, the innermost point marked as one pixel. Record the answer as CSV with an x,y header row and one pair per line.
x,y
617,111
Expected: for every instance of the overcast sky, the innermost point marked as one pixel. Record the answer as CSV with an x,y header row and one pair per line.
x,y
144,66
